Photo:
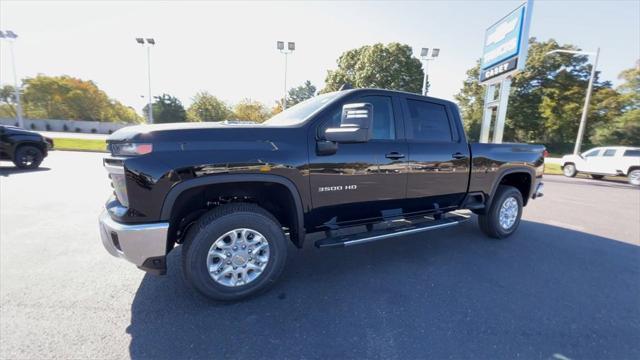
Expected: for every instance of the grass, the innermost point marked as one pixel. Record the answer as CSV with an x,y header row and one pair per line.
x,y
552,169
79,144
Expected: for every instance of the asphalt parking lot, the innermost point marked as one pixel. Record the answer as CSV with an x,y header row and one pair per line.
x,y
566,285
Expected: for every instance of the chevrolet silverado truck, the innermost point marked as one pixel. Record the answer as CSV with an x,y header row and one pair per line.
x,y
388,163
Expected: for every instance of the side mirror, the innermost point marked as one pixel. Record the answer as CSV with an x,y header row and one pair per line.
x,y
355,125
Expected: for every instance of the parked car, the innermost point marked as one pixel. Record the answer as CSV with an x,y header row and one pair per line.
x,y
233,195
25,148
605,161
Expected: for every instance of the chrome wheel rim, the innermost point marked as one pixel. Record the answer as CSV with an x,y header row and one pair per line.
x,y
568,170
508,213
634,177
238,257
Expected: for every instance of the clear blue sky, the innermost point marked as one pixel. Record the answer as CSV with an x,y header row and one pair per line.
x,y
229,50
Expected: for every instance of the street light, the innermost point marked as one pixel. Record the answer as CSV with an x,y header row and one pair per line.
x,y
424,55
11,37
585,109
149,42
291,46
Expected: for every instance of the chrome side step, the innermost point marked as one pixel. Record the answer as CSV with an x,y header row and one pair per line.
x,y
375,235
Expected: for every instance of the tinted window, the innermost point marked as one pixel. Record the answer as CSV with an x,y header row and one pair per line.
x,y
609,152
383,124
383,121
429,121
631,153
592,153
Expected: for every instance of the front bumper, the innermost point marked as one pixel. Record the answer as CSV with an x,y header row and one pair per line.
x,y
539,192
145,245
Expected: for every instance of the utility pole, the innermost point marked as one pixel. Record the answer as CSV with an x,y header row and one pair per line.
x,y
587,99
11,37
291,46
149,42
424,55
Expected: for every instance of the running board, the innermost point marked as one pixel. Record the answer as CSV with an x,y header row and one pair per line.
x,y
375,235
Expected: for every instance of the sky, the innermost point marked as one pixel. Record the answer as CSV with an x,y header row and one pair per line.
x,y
229,48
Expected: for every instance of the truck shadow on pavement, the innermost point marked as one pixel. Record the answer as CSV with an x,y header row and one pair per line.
x,y
12,170
546,292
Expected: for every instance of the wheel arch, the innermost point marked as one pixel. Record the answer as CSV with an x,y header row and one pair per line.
x,y
287,204
522,178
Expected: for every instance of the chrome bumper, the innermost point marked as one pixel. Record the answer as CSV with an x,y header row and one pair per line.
x,y
135,243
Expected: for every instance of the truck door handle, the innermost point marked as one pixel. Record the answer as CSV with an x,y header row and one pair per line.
x,y
459,155
394,155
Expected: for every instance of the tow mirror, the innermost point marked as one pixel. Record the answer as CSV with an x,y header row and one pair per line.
x,y
355,124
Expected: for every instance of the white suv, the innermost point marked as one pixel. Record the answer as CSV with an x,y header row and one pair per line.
x,y
602,161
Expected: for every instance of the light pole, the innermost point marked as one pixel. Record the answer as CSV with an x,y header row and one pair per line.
x,y
291,46
424,55
11,37
149,42
585,109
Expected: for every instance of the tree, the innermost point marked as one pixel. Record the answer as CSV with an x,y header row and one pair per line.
x,y
167,109
250,110
625,128
7,101
65,97
300,93
206,107
390,66
546,99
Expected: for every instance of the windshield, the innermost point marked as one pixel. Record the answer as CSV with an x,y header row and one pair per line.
x,y
300,112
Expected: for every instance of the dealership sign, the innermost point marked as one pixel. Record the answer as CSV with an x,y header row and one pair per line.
x,y
505,45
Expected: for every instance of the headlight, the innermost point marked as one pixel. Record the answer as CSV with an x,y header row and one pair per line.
x,y
118,182
130,149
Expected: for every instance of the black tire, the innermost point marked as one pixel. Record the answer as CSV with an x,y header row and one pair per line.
x,y
216,223
597,177
28,157
569,170
490,222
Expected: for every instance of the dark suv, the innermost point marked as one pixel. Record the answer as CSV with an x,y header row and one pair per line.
x,y
25,148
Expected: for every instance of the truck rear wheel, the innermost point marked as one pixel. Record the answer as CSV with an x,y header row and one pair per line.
x,y
234,251
503,217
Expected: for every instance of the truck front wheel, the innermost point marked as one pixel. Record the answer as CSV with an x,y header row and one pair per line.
x,y
28,157
234,251
504,214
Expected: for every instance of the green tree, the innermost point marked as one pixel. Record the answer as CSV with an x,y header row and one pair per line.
x,y
546,99
251,110
300,93
624,129
390,66
206,107
65,97
167,109
7,101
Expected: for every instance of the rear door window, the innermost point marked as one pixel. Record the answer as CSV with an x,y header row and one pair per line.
x,y
428,122
609,152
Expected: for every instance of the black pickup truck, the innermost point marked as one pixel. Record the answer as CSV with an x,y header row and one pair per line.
x,y
389,163
25,148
